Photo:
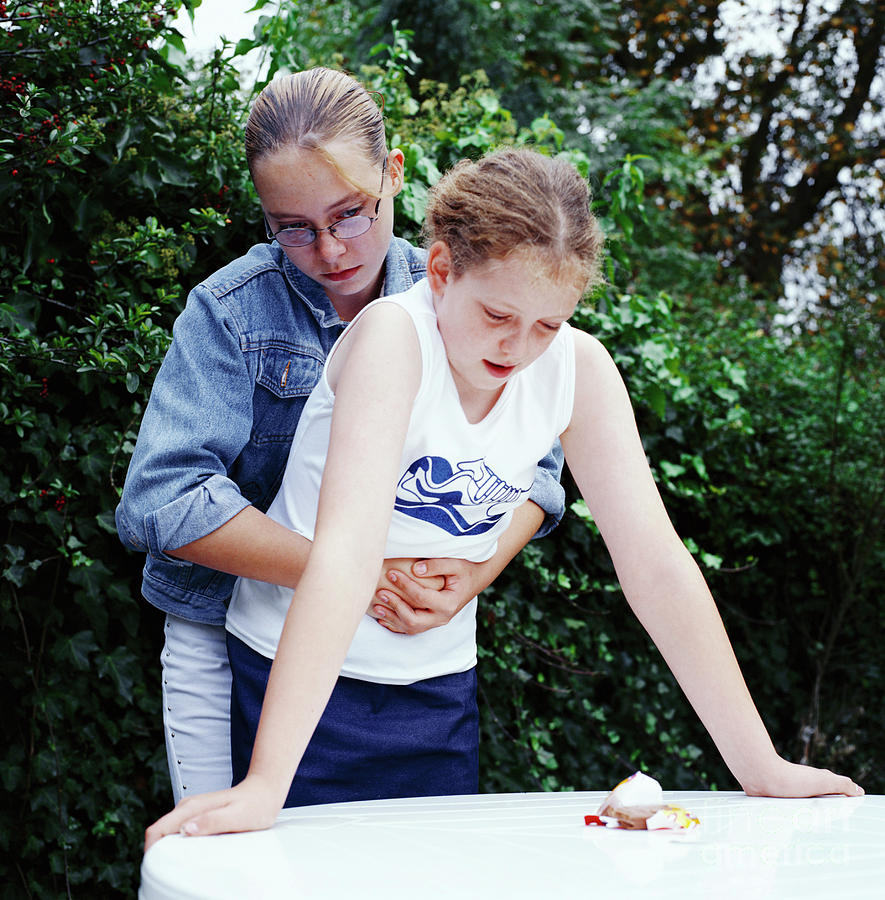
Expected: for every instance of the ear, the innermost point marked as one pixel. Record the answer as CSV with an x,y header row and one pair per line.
x,y
439,267
396,170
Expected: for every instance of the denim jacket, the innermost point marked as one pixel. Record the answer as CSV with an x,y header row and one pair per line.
x,y
246,352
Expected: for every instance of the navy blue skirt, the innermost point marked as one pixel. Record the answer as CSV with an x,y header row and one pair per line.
x,y
373,740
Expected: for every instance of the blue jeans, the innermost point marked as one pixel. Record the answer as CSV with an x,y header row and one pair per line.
x,y
374,740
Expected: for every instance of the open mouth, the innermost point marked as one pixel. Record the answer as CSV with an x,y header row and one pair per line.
x,y
498,371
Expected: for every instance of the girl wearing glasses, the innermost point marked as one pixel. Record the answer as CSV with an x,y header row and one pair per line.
x,y
247,350
448,391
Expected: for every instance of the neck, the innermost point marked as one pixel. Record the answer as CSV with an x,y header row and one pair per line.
x,y
347,307
476,404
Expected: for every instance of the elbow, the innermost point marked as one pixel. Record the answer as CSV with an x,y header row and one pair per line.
x,y
668,570
132,537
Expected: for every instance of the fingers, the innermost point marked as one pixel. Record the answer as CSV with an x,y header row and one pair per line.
x,y
428,593
224,819
155,832
242,808
407,568
384,602
428,567
418,575
852,790
383,612
806,781
439,568
427,597
396,615
830,783
173,822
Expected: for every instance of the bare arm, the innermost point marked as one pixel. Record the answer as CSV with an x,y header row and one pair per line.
x,y
252,545
664,586
372,407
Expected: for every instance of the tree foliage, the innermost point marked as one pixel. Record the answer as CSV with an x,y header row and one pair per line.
x,y
785,103
123,182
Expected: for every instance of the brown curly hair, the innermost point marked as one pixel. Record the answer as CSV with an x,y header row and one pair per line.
x,y
517,199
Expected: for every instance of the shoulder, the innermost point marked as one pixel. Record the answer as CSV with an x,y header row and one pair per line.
x,y
416,256
600,393
387,326
383,336
590,354
243,288
414,305
262,261
388,317
262,297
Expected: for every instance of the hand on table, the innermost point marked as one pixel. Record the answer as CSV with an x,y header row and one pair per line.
x,y
250,806
786,779
417,595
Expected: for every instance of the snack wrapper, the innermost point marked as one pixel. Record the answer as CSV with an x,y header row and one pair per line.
x,y
638,803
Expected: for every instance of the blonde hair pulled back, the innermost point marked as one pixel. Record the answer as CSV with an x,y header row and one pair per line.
x,y
312,109
517,199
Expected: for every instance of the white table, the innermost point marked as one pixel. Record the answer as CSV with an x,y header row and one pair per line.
x,y
515,846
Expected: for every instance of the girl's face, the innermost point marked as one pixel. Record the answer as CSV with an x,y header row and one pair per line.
x,y
301,188
497,318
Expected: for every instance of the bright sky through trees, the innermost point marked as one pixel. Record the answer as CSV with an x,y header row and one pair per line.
x,y
214,19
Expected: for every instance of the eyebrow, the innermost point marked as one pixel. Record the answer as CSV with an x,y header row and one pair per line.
x,y
357,198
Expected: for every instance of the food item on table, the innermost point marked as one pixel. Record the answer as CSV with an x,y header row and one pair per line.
x,y
638,803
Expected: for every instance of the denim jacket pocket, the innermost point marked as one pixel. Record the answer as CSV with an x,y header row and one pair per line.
x,y
287,373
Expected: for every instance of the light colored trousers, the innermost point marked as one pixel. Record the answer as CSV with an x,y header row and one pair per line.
x,y
196,707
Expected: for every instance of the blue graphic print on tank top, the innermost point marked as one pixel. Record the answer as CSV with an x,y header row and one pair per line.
x,y
461,499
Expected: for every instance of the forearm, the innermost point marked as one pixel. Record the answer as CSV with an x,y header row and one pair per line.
x,y
527,519
676,608
324,614
251,545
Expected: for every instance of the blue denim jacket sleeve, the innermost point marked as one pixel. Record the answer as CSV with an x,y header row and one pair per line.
x,y
547,491
197,421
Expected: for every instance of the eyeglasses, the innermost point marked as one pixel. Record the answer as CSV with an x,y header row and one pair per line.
x,y
342,230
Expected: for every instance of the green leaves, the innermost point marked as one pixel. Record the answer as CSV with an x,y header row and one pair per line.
x,y
122,183
626,200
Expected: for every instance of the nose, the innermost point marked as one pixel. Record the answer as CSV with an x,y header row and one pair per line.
x,y
329,247
513,344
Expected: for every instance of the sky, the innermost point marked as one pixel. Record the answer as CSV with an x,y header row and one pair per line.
x,y
214,19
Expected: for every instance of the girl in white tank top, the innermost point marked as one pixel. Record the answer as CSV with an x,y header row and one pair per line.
x,y
513,247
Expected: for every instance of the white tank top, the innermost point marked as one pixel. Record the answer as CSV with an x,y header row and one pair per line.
x,y
459,484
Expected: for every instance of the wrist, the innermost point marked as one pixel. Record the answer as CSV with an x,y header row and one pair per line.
x,y
272,789
485,573
757,776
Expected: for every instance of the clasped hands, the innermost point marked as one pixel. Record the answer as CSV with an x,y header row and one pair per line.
x,y
415,595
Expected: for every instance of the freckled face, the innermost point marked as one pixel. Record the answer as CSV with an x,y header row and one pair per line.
x,y
301,188
498,318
